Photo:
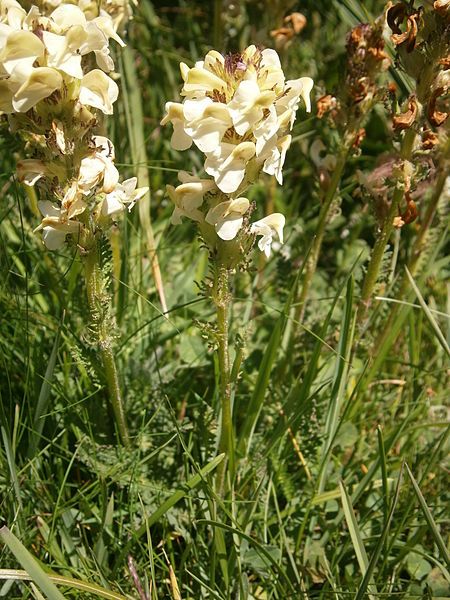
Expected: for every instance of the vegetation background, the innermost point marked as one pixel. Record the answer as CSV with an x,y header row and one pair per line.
x,y
341,431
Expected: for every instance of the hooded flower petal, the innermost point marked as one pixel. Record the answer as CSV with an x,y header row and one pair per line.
x,y
266,228
206,122
60,55
175,115
227,217
30,170
99,91
55,225
21,47
40,83
227,165
98,166
199,81
276,148
248,105
124,195
188,197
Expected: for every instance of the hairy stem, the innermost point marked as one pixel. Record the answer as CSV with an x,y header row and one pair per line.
x,y
221,298
102,328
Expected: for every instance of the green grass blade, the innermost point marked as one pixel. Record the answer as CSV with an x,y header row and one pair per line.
x,y
30,564
84,586
380,544
428,314
429,519
180,494
256,402
356,537
43,400
384,478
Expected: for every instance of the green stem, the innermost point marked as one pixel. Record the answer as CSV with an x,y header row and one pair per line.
x,y
221,297
396,317
102,329
324,215
218,25
382,240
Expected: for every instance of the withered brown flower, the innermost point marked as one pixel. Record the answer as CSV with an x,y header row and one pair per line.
x,y
360,135
395,16
297,20
442,7
293,25
429,139
406,119
325,104
435,116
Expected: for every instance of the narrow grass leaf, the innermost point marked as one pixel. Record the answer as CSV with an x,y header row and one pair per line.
x,y
429,519
76,584
180,494
428,314
30,564
44,397
256,402
380,544
356,537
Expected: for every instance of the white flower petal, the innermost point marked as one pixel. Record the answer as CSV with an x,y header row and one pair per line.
x,y
266,228
40,84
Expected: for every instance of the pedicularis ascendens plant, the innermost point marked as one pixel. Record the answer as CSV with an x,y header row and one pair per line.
x,y
54,61
238,110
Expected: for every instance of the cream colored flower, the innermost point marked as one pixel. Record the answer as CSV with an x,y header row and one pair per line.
x,y
30,170
227,217
99,167
40,83
267,227
123,196
248,105
188,197
228,163
276,150
99,91
199,81
55,225
206,122
175,115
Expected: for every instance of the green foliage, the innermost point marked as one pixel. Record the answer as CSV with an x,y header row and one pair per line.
x,y
341,431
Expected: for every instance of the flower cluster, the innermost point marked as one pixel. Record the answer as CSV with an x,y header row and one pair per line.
x,y
238,110
43,55
51,96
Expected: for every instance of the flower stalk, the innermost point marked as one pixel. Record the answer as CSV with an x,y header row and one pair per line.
x,y
384,234
101,327
222,300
